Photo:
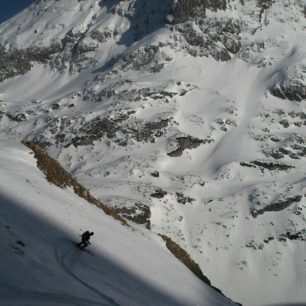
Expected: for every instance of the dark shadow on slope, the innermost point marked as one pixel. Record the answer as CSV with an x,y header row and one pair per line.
x,y
145,18
109,4
14,295
52,266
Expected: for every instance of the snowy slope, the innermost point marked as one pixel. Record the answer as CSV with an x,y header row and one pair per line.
x,y
44,22
194,128
41,265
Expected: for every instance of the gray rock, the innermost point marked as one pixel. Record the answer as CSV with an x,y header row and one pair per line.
x,y
183,199
159,194
184,10
185,143
139,214
277,206
15,62
293,90
271,165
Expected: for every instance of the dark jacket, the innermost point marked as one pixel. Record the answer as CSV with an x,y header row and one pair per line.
x,y
86,236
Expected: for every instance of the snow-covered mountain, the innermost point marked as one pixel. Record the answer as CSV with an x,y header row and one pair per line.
x,y
185,116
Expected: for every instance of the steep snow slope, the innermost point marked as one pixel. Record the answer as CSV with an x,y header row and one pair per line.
x,y
40,264
195,128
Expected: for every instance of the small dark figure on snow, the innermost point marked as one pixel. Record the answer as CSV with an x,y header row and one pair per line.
x,y
85,239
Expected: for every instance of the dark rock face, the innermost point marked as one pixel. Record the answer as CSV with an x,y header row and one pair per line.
x,y
299,152
185,143
278,206
139,214
268,165
72,52
120,127
19,117
152,129
265,4
185,10
292,145
218,37
14,62
215,5
75,53
301,235
252,244
209,36
95,130
159,194
155,174
293,90
101,37
268,239
182,199
149,57
249,165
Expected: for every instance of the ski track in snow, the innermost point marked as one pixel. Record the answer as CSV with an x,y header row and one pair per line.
x,y
60,257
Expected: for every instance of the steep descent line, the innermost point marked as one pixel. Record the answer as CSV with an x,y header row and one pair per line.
x,y
61,260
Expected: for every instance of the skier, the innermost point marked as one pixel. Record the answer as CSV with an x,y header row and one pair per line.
x,y
85,239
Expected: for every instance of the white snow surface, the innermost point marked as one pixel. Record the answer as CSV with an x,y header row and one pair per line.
x,y
129,266
226,104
